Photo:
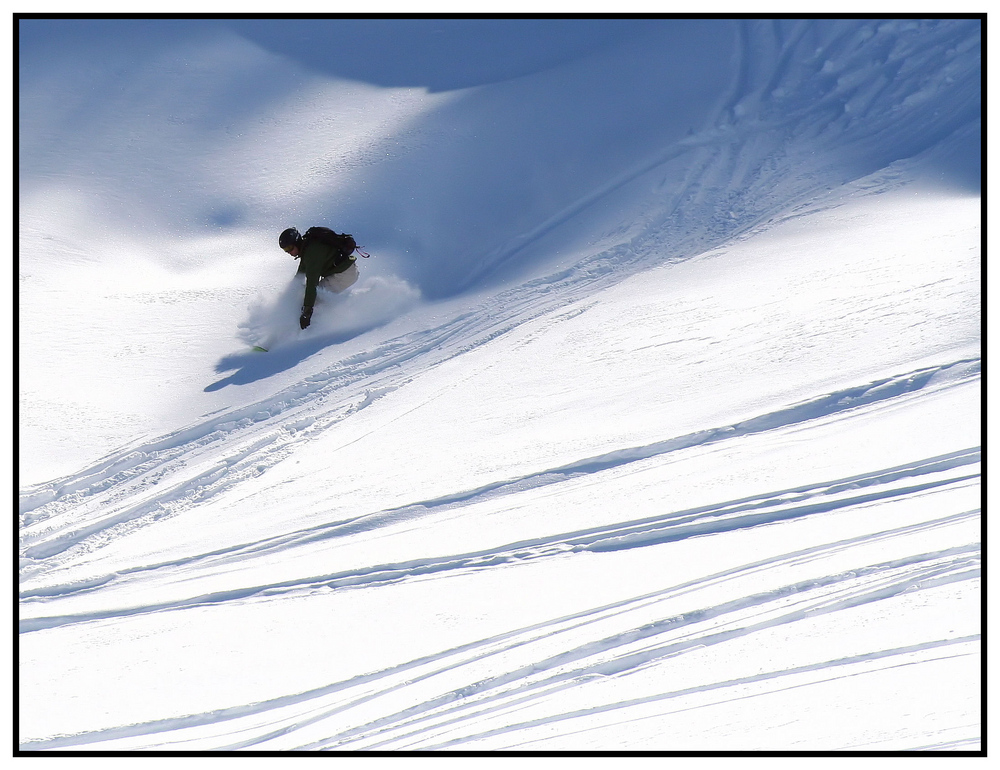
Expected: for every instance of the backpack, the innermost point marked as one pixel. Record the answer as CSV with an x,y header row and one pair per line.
x,y
342,241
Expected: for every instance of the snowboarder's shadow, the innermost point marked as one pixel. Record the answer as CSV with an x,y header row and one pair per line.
x,y
252,366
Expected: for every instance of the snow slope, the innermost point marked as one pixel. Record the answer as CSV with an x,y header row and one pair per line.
x,y
652,424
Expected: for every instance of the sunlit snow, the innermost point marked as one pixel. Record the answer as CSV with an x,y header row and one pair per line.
x,y
653,423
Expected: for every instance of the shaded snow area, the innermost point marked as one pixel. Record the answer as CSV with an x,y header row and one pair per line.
x,y
652,424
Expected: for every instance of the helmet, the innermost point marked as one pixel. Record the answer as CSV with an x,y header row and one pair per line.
x,y
289,238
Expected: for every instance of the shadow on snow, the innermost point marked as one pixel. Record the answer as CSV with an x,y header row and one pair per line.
x,y
252,366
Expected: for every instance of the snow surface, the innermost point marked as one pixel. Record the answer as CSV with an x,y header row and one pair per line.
x,y
652,424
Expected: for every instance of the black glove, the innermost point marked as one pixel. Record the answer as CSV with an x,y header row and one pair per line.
x,y
307,314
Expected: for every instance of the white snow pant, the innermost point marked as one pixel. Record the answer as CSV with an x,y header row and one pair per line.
x,y
339,282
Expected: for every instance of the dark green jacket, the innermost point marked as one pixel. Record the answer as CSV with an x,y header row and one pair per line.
x,y
317,260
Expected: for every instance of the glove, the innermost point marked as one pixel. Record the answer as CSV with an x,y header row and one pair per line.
x,y
307,313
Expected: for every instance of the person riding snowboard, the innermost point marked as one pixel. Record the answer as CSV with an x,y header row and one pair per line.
x,y
325,258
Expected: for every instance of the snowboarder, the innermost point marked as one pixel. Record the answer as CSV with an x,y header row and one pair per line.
x,y
326,259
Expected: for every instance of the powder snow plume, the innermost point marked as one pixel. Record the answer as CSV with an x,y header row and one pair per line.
x,y
273,322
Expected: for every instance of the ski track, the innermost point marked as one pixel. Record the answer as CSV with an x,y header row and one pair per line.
x,y
532,670
53,545
452,718
945,472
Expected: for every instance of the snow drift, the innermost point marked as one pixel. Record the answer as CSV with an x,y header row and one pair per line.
x,y
653,422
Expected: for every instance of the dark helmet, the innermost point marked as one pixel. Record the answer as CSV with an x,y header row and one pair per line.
x,y
289,238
